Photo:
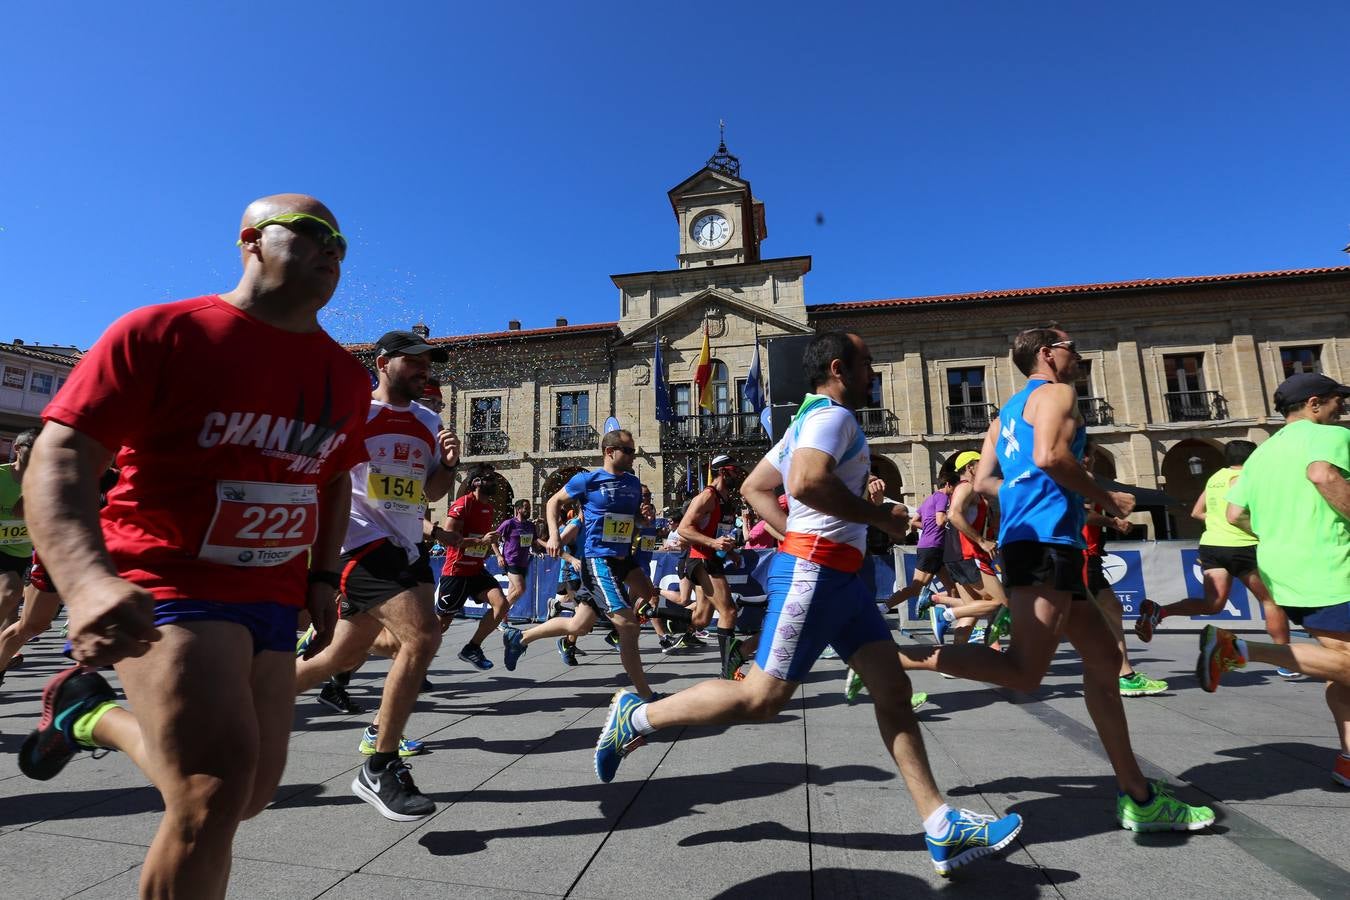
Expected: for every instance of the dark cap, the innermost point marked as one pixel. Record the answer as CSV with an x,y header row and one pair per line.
x,y
1302,387
405,343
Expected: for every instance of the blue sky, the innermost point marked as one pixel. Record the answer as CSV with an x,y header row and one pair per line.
x,y
498,161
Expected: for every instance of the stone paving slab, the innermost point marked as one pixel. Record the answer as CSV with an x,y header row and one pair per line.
x,y
806,805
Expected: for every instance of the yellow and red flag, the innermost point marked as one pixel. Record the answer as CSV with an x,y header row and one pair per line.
x,y
703,374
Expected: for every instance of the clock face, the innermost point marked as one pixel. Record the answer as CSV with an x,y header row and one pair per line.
x,y
711,230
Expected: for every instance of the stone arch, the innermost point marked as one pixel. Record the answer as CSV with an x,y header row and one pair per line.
x,y
1103,462
1183,485
886,469
554,481
500,499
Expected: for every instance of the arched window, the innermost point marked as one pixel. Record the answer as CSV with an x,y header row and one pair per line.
x,y
721,390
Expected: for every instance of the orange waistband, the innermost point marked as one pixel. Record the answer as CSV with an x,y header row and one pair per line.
x,y
825,552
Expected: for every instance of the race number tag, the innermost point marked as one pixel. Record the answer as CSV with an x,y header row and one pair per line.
x,y
476,547
258,523
395,491
13,531
527,541
618,529
647,542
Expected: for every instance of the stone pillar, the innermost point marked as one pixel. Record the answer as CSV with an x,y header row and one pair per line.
x,y
911,411
1251,401
1131,404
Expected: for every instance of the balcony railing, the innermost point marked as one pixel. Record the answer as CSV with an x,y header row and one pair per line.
x,y
1095,411
574,438
1195,406
486,443
876,422
711,431
970,418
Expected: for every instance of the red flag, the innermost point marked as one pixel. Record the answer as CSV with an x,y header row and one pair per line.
x,y
703,374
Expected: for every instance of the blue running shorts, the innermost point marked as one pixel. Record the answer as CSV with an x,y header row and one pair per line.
x,y
271,624
811,606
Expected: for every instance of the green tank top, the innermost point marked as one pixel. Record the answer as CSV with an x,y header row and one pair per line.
x,y
13,531
1218,531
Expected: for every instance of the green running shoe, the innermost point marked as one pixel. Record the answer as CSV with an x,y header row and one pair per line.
x,y
853,685
1162,812
1137,684
917,700
303,644
1001,626
406,748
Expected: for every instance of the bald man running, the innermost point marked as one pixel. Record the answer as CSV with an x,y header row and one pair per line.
x,y
227,521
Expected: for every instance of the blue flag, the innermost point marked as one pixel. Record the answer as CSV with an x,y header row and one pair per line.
x,y
663,410
753,392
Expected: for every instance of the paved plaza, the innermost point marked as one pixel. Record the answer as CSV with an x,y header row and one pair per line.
x,y
806,806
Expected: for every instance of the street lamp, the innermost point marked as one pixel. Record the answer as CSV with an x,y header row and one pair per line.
x,y
1196,466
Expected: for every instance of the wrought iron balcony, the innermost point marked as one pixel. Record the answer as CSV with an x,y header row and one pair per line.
x,y
713,432
970,418
877,422
1096,411
574,438
1195,406
486,443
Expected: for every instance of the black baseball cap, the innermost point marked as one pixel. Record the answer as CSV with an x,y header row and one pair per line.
x,y
405,343
1304,386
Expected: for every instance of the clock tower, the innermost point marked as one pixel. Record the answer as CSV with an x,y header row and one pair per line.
x,y
720,221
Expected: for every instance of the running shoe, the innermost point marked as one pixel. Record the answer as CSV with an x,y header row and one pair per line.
x,y
406,747
577,651
514,648
334,696
979,635
612,638
305,639
618,738
829,653
65,699
925,604
567,651
1218,654
666,641
1150,614
1162,812
1340,773
695,639
392,792
473,655
917,701
677,643
938,619
969,836
1288,673
735,659
1000,627
555,608
1137,684
853,685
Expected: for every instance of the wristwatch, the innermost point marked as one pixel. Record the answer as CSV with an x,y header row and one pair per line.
x,y
323,576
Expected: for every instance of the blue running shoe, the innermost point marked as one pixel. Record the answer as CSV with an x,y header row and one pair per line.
x,y
925,601
618,738
937,616
567,651
406,747
969,836
514,648
1288,673
305,640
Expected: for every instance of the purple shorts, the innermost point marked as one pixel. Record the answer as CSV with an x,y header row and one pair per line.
x,y
271,624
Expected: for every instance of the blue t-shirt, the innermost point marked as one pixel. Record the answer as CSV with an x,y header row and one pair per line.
x,y
1032,505
610,505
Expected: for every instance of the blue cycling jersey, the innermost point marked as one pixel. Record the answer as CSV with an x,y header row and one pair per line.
x,y
1032,505
610,505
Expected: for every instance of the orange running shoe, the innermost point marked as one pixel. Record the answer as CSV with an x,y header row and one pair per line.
x,y
1341,772
1218,654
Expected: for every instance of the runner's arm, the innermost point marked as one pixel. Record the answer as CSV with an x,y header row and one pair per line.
x,y
760,490
1331,484
1053,429
438,484
987,478
1198,510
957,515
689,531
812,480
551,509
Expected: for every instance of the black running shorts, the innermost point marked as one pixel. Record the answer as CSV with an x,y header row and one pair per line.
x,y
1093,575
928,559
1237,561
1058,566
456,590
966,571
375,572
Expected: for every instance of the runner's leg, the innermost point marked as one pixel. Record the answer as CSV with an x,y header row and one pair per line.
x,y
410,618
39,609
349,647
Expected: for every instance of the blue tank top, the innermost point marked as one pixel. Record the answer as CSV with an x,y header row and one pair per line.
x,y
1032,505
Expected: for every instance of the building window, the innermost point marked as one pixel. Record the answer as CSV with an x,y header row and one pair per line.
x,y
721,390
15,377
485,426
1185,372
41,383
748,419
874,393
1301,359
574,408
572,422
965,386
1083,383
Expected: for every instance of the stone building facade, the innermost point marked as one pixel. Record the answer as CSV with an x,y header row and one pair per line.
x,y
1175,367
30,376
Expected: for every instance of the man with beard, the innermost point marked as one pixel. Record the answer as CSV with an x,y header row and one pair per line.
x,y
386,579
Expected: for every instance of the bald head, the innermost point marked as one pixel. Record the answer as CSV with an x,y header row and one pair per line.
x,y
276,204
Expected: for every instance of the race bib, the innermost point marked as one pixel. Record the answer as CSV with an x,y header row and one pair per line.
x,y
618,529
13,531
395,491
647,542
258,523
477,548
527,541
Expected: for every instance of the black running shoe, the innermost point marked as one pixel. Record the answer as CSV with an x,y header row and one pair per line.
x,y
392,792
66,698
334,696
612,638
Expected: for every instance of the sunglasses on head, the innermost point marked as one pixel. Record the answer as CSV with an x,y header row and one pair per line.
x,y
312,227
1071,346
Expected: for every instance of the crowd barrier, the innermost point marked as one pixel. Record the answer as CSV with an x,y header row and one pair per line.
x,y
746,578
1162,571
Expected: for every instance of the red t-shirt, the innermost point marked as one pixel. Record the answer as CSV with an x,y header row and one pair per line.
x,y
224,428
1092,536
475,518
